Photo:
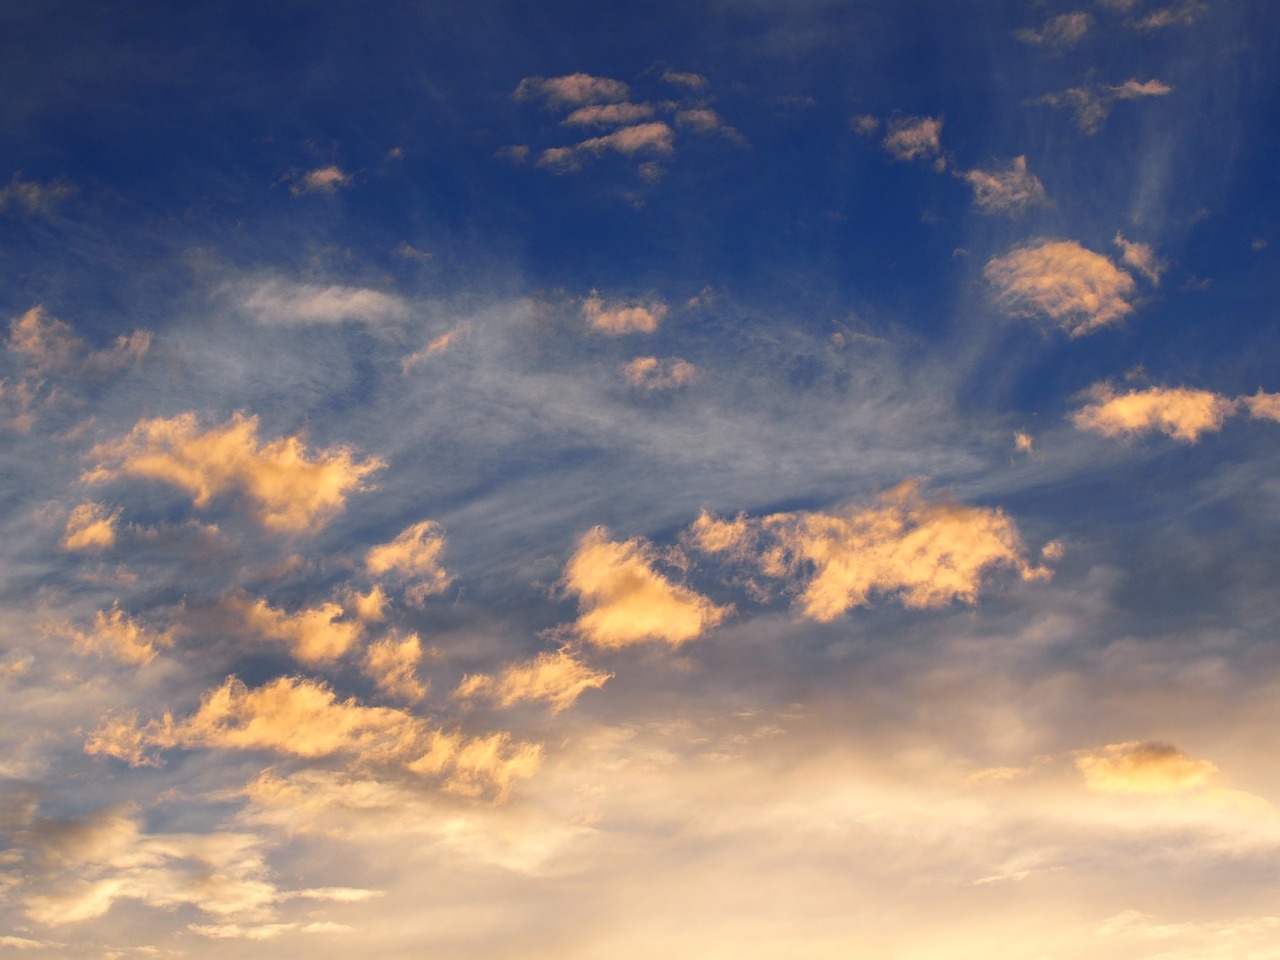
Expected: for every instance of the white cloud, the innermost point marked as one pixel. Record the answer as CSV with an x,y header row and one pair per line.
x,y
1079,290
913,138
288,304
1010,191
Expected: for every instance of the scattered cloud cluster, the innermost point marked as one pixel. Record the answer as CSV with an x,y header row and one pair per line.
x,y
1077,289
1092,104
1183,413
289,489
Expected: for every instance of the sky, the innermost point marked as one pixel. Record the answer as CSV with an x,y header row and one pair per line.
x,y
584,480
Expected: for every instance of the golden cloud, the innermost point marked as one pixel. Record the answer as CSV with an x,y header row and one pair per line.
x,y
1263,406
289,490
617,317
609,114
436,345
557,678
1079,290
118,636
571,90
1141,257
625,601
650,373
1181,412
49,344
1009,191
91,528
392,664
314,635
927,554
413,557
472,766
1143,766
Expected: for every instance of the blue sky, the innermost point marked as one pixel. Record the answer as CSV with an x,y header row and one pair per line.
x,y
588,480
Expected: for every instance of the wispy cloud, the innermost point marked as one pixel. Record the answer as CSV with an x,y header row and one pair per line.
x,y
1058,32
32,196
694,81
556,678
321,180
571,90
1145,766
118,636
1010,191
287,303
617,317
412,558
392,663
655,138
651,373
91,527
1141,257
914,138
314,635
1092,104
610,114
1079,290
288,489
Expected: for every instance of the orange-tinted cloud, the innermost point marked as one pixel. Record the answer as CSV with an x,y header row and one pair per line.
x,y
650,373
287,488
392,663
118,636
437,345
1009,191
571,90
1143,766
912,138
1079,290
1062,31
314,635
1141,257
617,317
1181,412
48,344
1263,406
1092,104
413,557
90,528
556,678
609,114
321,180
625,601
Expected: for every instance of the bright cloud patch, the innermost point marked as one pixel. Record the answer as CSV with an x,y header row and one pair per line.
x,y
617,317
1263,406
315,635
1181,412
1092,104
48,344
625,601
911,138
1079,290
1141,257
1143,767
555,678
392,663
321,180
281,303
90,528
651,373
609,114
571,90
116,635
288,489
413,557
1009,191
926,554
655,138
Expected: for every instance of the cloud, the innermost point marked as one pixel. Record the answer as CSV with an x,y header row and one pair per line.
x,y
413,556
704,120
1141,258
556,678
91,528
392,664
314,635
517,153
1092,104
617,317
1181,412
650,373
1263,406
865,125
1079,290
625,601
694,81
1143,766
1010,191
51,345
1182,15
287,304
436,346
655,137
474,766
911,138
1024,443
1059,32
320,180
289,489
609,114
32,196
925,554
118,636
572,90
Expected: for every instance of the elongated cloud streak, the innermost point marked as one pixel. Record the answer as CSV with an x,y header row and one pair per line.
x,y
90,528
288,489
1181,412
1079,290
1092,104
282,303
556,678
571,90
625,601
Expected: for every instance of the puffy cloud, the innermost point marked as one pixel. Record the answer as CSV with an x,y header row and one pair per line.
x,y
321,180
911,138
557,678
1092,104
1143,766
1181,412
91,528
371,606
1141,258
625,601
33,196
1076,288
1009,191
474,766
437,345
572,90
413,557
650,373
117,635
392,664
1062,31
289,490
283,303
609,114
1263,406
315,635
617,317
927,554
